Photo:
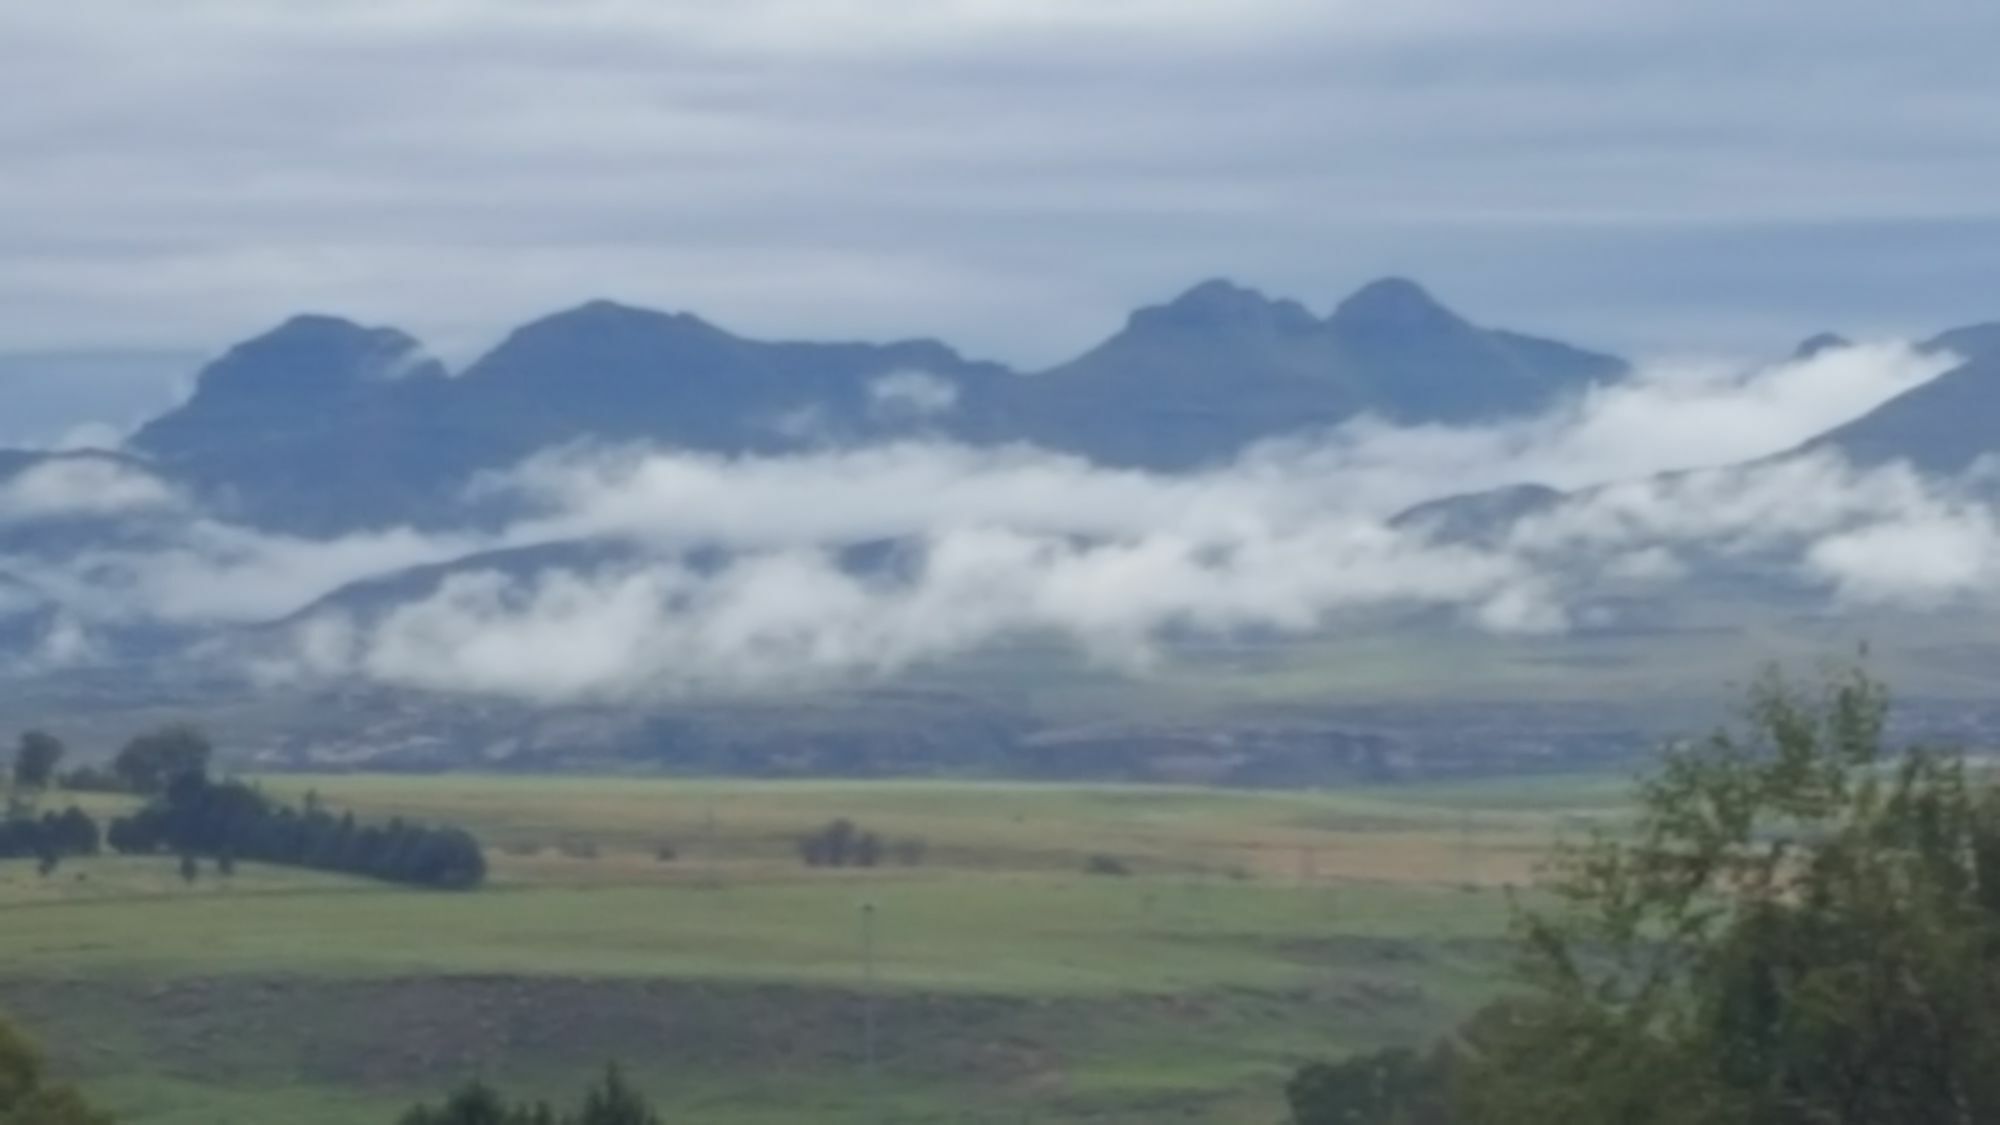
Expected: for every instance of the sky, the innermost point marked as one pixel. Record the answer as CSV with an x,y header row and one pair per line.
x,y
1014,176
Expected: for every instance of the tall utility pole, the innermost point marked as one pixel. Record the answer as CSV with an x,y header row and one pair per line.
x,y
869,1074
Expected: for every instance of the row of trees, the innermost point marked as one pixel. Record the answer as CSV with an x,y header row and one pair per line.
x,y
191,815
48,837
231,820
1801,928
842,843
611,1101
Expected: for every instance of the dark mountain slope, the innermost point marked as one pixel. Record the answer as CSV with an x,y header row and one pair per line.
x,y
613,372
1221,367
322,425
318,425
1941,427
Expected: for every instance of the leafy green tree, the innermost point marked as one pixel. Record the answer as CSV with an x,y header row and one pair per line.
x,y
1802,927
153,761
35,759
27,1098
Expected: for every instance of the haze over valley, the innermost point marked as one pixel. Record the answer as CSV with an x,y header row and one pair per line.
x,y
628,535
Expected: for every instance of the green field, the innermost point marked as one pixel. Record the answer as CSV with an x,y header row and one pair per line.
x,y
1255,930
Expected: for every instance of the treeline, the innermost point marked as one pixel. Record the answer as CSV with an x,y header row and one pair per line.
x,y
230,820
611,1101
189,814
49,837
1800,926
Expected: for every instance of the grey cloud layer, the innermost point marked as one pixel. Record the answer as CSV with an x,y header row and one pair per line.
x,y
1011,175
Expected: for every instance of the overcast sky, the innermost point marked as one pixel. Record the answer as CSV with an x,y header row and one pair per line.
x,y
1011,175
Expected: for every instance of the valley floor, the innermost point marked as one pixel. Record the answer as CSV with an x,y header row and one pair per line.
x,y
1252,930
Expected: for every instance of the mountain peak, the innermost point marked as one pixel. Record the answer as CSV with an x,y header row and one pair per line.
x,y
1820,342
313,323
307,334
315,351
296,376
614,324
1220,303
603,308
1393,303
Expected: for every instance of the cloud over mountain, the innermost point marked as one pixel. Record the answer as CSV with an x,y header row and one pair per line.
x,y
616,503
741,573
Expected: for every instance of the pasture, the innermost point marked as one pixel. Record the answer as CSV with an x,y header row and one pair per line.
x,y
671,925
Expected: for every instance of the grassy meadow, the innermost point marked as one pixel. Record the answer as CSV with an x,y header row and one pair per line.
x,y
670,924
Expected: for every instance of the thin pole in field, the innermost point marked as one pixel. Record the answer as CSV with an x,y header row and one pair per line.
x,y
708,842
1465,848
869,1075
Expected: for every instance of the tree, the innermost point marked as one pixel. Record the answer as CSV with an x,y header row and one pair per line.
x,y
190,868
1394,1086
1801,928
611,1101
867,850
151,762
474,1103
26,1097
35,759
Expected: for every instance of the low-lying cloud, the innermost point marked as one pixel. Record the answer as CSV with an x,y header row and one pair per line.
x,y
82,487
911,394
1668,416
710,574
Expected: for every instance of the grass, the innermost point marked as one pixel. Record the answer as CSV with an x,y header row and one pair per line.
x,y
1258,930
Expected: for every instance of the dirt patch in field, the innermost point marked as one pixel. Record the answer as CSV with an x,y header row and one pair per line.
x,y
419,1033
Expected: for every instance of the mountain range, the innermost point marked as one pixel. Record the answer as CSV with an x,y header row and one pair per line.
x,y
322,425
319,428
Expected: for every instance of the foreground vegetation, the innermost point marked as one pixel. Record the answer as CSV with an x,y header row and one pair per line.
x,y
1794,923
27,1097
1801,927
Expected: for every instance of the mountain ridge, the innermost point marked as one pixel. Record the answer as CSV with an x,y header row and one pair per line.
x,y
322,424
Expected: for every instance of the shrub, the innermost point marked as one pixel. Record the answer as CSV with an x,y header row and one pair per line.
x,y
1101,864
